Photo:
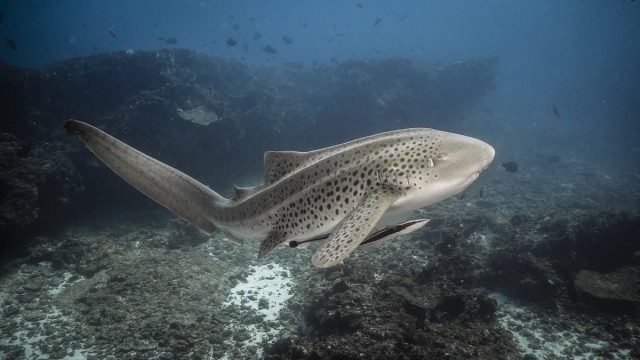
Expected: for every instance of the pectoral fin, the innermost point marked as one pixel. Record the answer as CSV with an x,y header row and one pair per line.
x,y
355,227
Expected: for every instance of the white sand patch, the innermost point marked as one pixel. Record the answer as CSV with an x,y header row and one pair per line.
x,y
543,333
66,282
33,333
271,282
264,293
32,339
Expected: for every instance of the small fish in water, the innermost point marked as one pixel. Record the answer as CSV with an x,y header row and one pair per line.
x,y
286,40
555,111
510,166
84,26
359,5
462,195
171,41
257,36
11,43
378,20
270,49
481,193
112,33
231,42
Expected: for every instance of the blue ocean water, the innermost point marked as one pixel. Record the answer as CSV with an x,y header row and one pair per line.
x,y
564,118
579,56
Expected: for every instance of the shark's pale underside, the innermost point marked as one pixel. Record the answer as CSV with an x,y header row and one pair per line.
x,y
342,193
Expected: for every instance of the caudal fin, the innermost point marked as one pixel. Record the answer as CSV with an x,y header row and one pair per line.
x,y
178,192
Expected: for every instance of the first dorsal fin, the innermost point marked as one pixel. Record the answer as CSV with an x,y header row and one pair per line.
x,y
278,164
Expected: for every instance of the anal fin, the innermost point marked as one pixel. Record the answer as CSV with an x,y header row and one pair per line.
x,y
272,240
355,227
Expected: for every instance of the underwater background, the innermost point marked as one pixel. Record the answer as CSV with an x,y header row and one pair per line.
x,y
538,259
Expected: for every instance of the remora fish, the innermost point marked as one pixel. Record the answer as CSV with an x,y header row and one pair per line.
x,y
343,190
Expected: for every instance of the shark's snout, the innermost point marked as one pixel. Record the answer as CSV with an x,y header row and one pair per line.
x,y
487,152
466,158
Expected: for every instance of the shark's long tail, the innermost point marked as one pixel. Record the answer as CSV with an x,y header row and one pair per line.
x,y
178,192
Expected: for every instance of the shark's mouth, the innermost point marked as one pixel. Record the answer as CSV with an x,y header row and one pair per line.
x,y
485,167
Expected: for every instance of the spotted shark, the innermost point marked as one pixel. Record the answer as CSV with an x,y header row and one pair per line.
x,y
346,193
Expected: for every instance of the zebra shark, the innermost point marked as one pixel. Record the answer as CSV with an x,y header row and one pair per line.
x,y
343,193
